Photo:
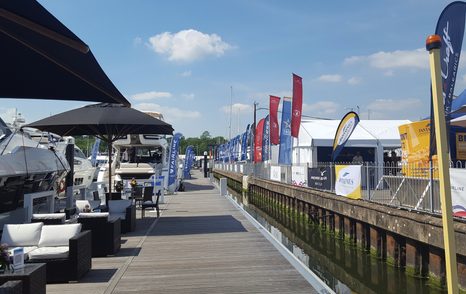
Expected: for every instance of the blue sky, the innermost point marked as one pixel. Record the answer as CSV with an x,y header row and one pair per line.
x,y
182,58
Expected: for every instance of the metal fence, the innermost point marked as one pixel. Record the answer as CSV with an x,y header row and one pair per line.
x,y
413,187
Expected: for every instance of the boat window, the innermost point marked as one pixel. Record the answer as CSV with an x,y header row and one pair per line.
x,y
79,153
152,154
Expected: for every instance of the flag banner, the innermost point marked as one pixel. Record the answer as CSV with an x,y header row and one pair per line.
x,y
346,127
236,149
187,167
172,168
348,181
258,141
450,28
266,140
273,106
297,105
95,151
244,144
284,153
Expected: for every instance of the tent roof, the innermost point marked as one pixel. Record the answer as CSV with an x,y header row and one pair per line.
x,y
366,134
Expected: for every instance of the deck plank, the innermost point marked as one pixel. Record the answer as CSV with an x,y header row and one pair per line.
x,y
201,244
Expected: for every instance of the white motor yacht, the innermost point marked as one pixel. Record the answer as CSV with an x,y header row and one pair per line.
x,y
25,167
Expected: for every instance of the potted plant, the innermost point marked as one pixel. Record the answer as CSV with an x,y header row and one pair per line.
x,y
4,258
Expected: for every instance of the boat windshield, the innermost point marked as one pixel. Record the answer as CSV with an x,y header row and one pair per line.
x,y
146,154
4,130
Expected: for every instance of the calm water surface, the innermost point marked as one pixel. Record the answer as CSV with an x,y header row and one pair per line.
x,y
342,266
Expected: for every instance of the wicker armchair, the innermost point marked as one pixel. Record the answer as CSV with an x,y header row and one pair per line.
x,y
12,287
125,211
106,234
75,266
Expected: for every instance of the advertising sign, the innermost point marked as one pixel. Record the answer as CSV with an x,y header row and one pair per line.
x,y
275,173
415,148
320,177
461,146
348,181
299,175
458,191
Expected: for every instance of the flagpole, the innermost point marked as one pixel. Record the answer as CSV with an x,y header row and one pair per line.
x,y
433,44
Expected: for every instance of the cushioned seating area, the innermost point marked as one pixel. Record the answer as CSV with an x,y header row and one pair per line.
x,y
64,248
125,210
106,232
49,253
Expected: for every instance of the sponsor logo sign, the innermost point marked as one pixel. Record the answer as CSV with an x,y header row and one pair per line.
x,y
299,175
275,173
320,177
348,181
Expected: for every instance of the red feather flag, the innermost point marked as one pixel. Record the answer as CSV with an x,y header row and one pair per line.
x,y
274,137
258,141
297,105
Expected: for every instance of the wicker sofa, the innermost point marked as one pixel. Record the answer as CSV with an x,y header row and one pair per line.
x,y
106,233
64,248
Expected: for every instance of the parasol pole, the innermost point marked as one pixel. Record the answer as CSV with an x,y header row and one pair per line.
x,y
109,168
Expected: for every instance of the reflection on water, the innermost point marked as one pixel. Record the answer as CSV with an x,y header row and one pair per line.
x,y
342,266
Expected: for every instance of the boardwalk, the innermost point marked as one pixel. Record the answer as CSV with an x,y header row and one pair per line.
x,y
201,244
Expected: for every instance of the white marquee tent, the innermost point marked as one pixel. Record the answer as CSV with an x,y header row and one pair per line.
x,y
378,134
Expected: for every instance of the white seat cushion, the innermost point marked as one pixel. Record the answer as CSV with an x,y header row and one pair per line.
x,y
93,214
121,216
58,235
49,253
26,251
81,204
22,234
118,206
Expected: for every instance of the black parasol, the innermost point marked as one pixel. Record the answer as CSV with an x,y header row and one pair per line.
x,y
42,59
107,121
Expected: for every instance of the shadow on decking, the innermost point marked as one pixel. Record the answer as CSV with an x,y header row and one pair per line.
x,y
128,251
197,225
98,275
193,187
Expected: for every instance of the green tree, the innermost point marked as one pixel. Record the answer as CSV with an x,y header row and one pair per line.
x,y
201,144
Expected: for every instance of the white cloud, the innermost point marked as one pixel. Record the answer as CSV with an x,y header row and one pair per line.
x,y
354,81
186,73
417,59
330,78
137,41
171,114
394,104
188,45
238,108
150,95
321,107
189,96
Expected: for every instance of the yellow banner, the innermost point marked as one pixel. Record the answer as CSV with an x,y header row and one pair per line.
x,y
415,141
348,181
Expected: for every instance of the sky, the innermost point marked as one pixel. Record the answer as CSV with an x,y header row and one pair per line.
x,y
193,61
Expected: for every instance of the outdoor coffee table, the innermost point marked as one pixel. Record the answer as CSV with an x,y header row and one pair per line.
x,y
33,276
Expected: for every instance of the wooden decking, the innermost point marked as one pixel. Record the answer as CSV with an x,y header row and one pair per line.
x,y
201,244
